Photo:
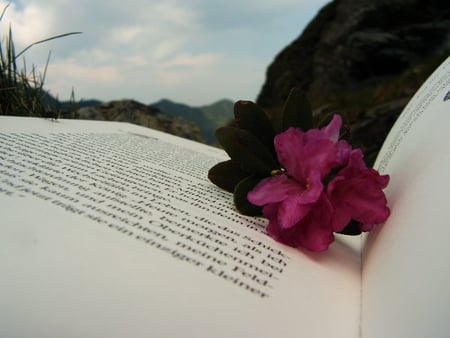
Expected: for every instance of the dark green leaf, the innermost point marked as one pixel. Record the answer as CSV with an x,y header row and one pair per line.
x,y
251,117
240,197
226,175
245,148
297,111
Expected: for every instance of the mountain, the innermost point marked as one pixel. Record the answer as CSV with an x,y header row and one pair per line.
x,y
207,117
141,114
196,123
364,59
88,103
219,113
53,103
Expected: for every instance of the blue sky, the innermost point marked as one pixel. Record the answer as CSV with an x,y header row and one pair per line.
x,y
190,51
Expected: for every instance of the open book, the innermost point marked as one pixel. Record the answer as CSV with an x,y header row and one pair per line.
x,y
113,230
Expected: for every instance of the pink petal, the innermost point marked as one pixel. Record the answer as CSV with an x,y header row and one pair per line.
x,y
361,199
300,153
356,193
291,211
344,150
273,190
318,155
317,233
314,232
289,148
294,201
333,128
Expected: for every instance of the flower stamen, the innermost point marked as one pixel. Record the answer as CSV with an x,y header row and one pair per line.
x,y
276,172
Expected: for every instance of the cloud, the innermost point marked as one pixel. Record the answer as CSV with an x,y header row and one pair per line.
x,y
185,50
74,71
166,48
181,68
126,34
26,24
189,60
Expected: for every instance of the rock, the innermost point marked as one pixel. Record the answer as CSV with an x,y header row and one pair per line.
x,y
362,57
369,128
141,114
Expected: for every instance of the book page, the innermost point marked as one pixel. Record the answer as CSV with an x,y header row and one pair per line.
x,y
406,266
113,230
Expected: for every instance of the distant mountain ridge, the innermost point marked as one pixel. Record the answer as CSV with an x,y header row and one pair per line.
x,y
141,114
207,117
199,123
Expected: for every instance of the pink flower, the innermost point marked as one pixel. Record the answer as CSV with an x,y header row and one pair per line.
x,y
301,209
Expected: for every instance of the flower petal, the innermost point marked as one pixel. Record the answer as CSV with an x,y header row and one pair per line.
x,y
294,201
333,128
292,210
356,193
273,190
343,153
289,148
314,232
300,153
318,155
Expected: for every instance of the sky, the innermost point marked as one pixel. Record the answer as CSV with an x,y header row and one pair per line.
x,y
189,51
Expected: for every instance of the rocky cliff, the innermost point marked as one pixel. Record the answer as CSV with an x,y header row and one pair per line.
x,y
363,58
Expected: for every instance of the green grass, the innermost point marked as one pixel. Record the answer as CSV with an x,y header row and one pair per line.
x,y
21,91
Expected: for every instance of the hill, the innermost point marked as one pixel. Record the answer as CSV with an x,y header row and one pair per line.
x,y
196,123
208,117
141,114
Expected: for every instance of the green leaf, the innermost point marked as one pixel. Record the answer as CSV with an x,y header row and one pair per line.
x,y
226,175
240,197
297,111
246,149
251,117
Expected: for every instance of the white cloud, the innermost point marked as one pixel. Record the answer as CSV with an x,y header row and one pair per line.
x,y
182,68
166,48
73,71
185,59
125,34
137,60
26,24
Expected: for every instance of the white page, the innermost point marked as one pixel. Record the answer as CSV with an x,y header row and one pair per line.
x,y
93,250
406,269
